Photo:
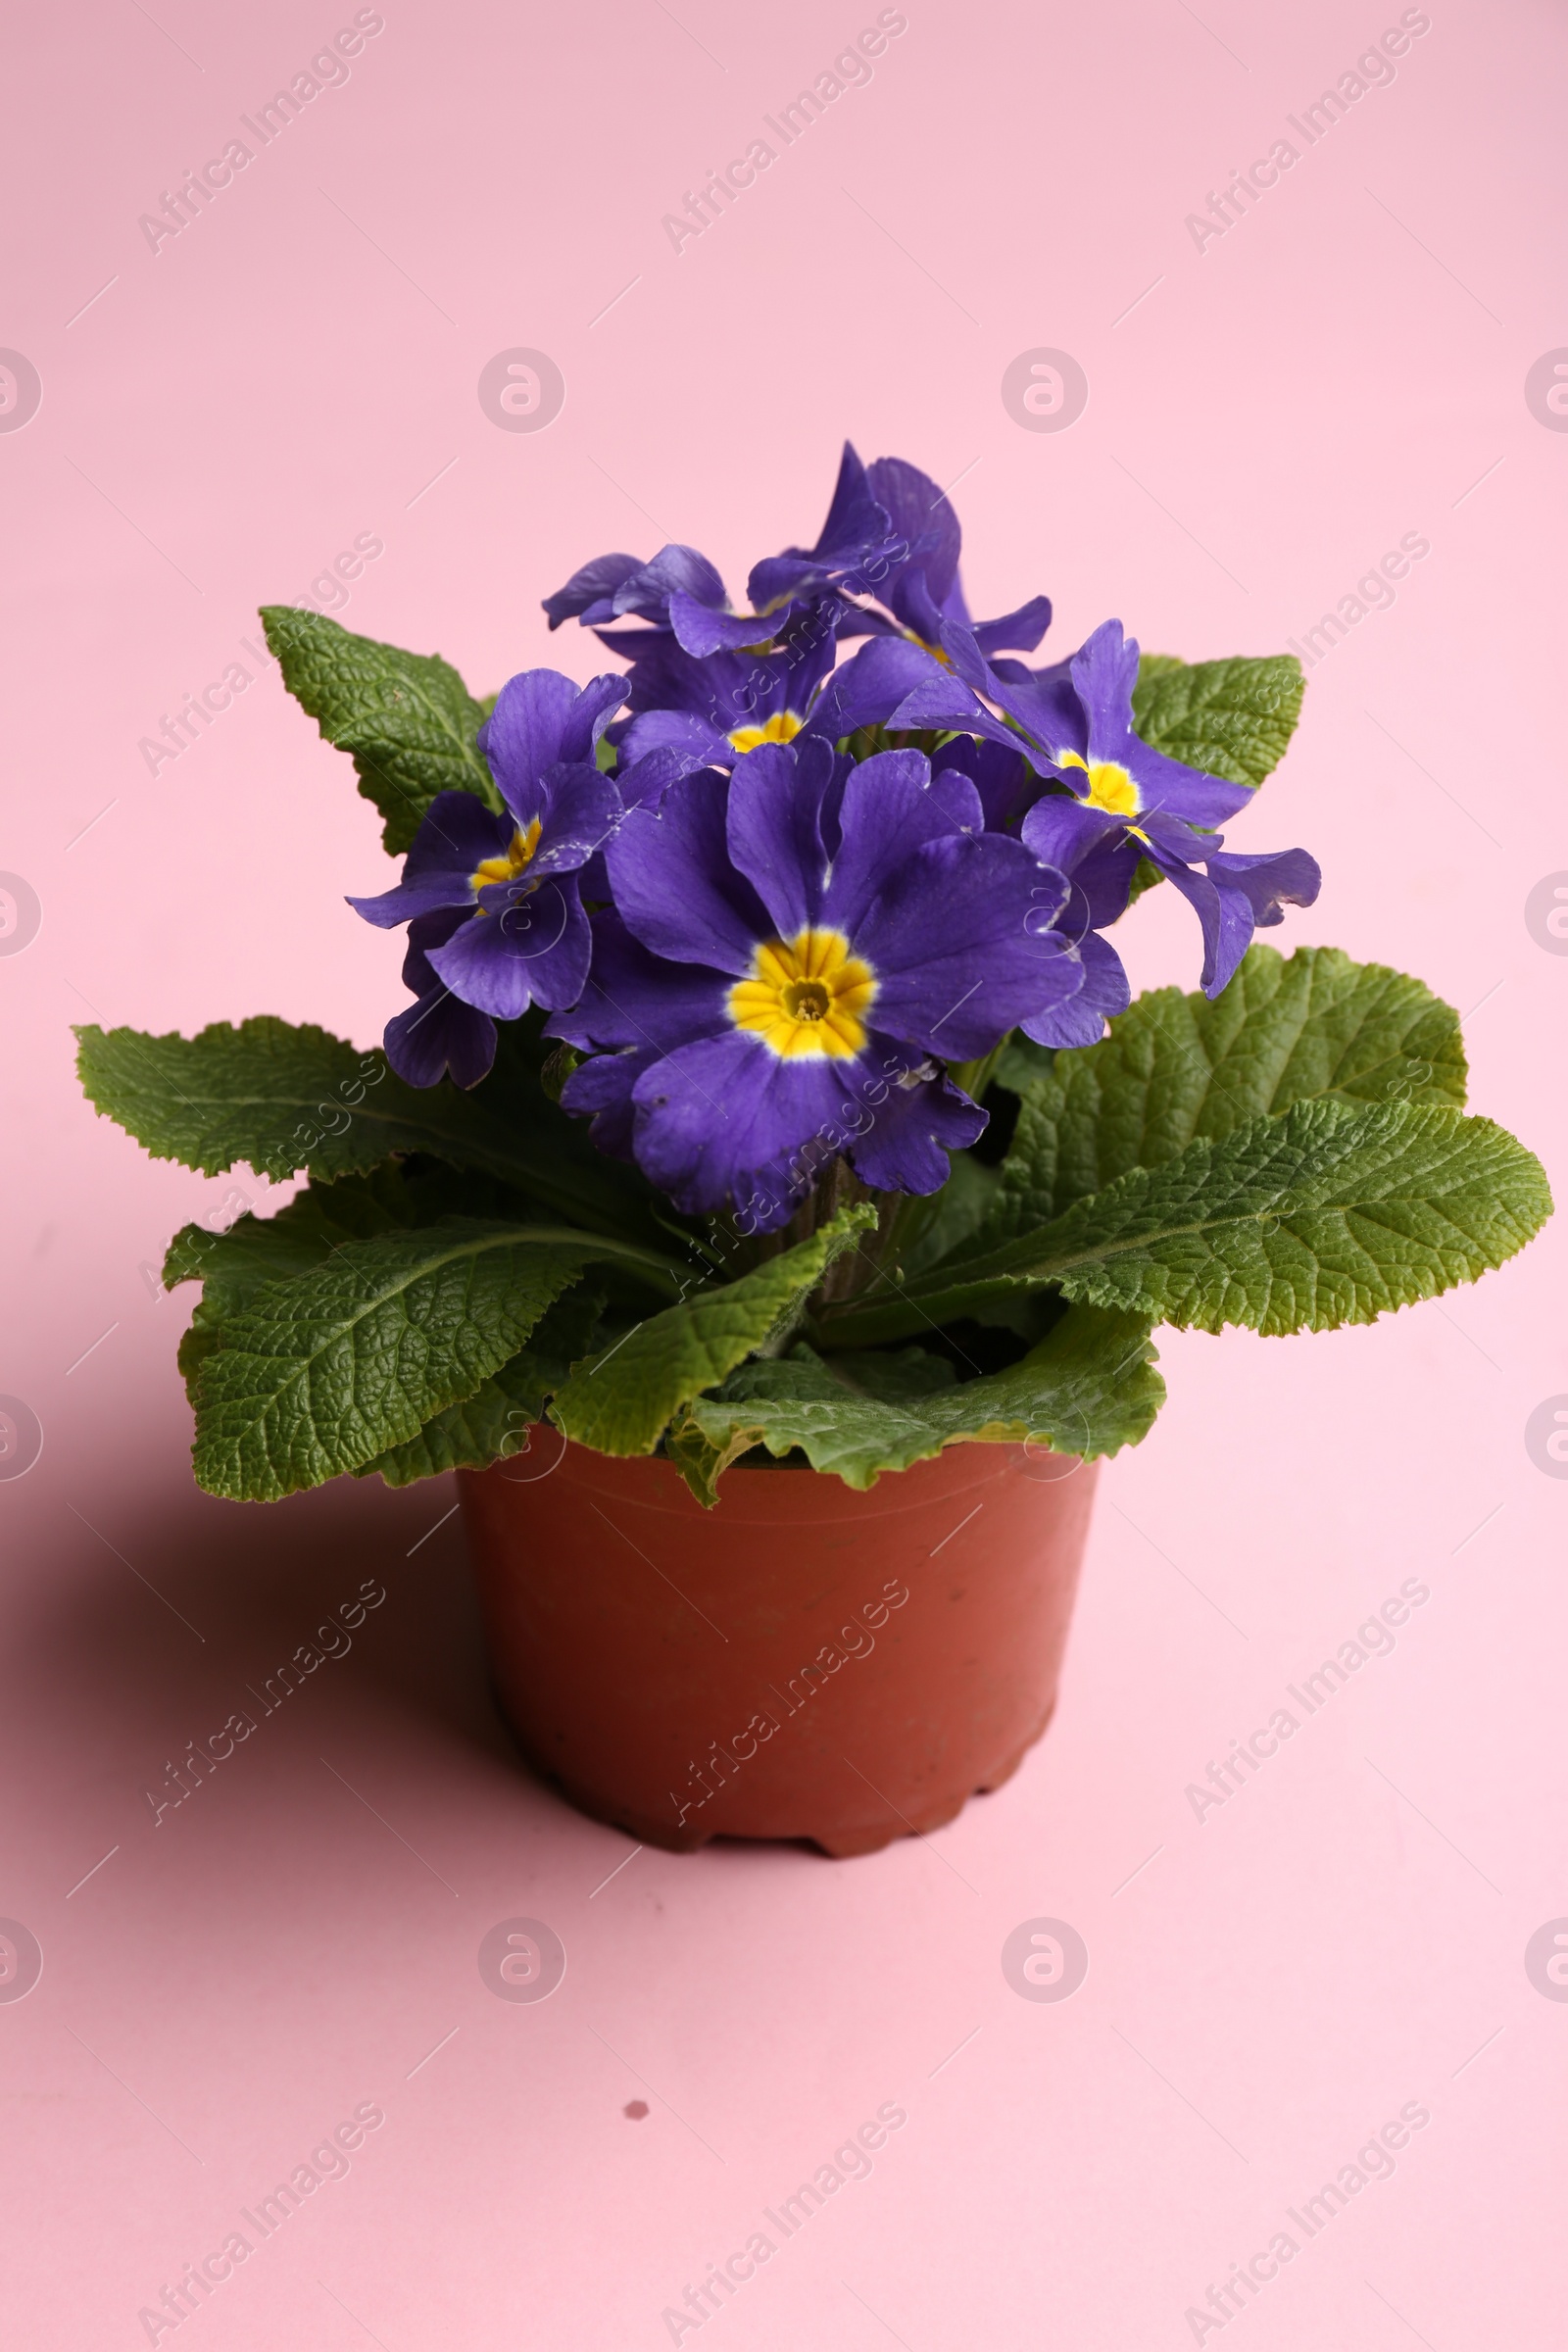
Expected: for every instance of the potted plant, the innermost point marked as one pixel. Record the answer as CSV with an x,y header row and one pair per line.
x,y
767,1198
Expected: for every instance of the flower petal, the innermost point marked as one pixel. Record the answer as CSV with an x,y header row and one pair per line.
x,y
642,783
1269,881
601,1089
774,826
589,717
1000,773
724,1107
941,699
676,571
1082,841
1189,793
581,810
910,1132
632,998
889,807
727,691
853,513
922,514
589,594
868,689
534,949
1105,671
457,832
699,629
1080,1020
698,740
1224,916
1022,630
962,942
674,884
438,1033
521,737
856,530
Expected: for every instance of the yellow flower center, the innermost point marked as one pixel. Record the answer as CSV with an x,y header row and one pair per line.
x,y
806,997
507,870
1111,787
782,728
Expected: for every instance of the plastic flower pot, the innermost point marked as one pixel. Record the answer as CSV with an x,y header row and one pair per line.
x,y
802,1661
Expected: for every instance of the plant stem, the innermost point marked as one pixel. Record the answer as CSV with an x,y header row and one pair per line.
x,y
975,1076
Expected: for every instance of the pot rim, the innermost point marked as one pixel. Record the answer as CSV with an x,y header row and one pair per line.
x,y
754,1497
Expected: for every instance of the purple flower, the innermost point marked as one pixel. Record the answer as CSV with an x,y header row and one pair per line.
x,y
890,536
437,1033
920,585
858,543
716,710
709,685
615,587
682,594
1113,799
790,959
517,932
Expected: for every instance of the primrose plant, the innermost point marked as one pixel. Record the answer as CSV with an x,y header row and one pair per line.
x,y
768,1084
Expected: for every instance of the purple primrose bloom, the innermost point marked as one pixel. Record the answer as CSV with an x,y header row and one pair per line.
x,y
1112,798
682,594
437,1033
508,882
890,536
788,960
716,710
787,946
919,584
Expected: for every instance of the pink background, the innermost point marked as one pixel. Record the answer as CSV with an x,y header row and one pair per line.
x,y
1345,365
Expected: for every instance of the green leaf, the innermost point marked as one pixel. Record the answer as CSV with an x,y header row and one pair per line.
x,y
280,1098
408,720
1155,665
889,1374
886,1376
1329,1214
1177,1066
959,1210
1231,718
1020,1063
321,1371
621,1404
275,1096
1088,1388
494,1421
232,1266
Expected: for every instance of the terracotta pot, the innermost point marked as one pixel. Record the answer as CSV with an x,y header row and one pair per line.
x,y
802,1661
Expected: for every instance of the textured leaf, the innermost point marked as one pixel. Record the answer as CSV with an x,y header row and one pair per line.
x,y
1153,666
1328,1214
281,1097
1177,1066
889,1374
959,1211
408,720
321,1371
495,1420
1233,718
1020,1063
621,1404
232,1266
1088,1389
